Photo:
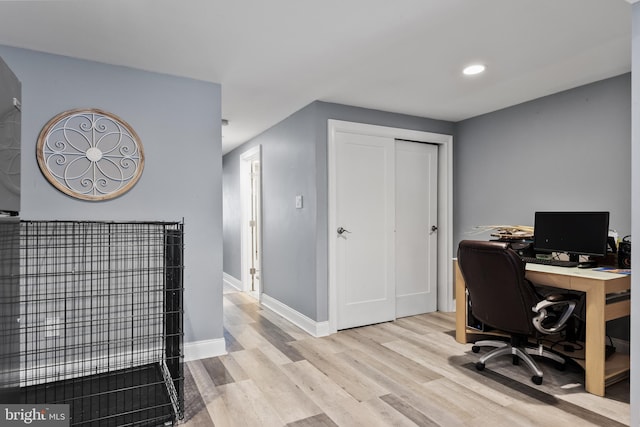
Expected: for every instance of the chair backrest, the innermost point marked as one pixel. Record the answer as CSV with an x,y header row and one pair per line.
x,y
494,276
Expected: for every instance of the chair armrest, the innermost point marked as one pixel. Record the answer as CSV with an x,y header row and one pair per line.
x,y
569,301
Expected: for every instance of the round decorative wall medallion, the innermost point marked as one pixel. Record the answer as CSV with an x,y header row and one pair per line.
x,y
90,154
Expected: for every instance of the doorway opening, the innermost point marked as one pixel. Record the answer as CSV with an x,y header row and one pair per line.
x,y
251,245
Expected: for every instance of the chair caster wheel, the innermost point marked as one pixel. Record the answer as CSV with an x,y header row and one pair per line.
x,y
480,366
475,349
536,380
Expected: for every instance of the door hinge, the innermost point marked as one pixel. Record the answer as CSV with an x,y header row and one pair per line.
x,y
252,271
252,223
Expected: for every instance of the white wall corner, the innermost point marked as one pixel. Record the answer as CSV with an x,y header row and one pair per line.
x,y
204,349
316,329
232,281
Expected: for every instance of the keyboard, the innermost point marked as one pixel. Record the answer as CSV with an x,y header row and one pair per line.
x,y
554,262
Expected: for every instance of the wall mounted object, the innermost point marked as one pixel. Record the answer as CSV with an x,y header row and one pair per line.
x,y
90,154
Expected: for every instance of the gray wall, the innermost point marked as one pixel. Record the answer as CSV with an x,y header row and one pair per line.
x,y
178,121
294,161
231,213
288,234
635,210
566,151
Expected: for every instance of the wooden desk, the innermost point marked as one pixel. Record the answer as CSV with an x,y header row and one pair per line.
x,y
596,285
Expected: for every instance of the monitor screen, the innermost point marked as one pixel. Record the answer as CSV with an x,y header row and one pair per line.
x,y
576,233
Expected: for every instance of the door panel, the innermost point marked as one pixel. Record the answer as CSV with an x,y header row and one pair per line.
x,y
416,213
255,226
251,230
365,208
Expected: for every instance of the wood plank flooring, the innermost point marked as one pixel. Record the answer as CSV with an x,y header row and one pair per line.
x,y
410,372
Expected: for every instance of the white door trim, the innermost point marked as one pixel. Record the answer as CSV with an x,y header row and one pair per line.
x,y
446,301
245,244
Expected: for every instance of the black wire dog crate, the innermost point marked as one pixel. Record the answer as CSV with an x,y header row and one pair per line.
x,y
101,320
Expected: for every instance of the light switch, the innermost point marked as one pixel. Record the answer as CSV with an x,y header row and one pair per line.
x,y
299,202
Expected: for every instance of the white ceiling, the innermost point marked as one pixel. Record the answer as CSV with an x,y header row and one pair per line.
x,y
273,57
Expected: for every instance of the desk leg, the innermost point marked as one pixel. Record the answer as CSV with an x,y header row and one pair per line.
x,y
595,340
461,306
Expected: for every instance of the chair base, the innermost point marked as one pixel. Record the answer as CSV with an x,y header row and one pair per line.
x,y
519,352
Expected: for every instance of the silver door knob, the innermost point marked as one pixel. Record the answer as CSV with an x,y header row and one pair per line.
x,y
342,230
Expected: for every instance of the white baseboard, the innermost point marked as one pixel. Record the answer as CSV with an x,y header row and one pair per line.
x,y
204,349
317,329
232,281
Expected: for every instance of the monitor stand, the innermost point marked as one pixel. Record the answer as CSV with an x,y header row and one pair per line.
x,y
584,264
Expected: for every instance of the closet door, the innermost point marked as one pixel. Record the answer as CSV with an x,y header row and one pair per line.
x,y
416,188
385,230
365,210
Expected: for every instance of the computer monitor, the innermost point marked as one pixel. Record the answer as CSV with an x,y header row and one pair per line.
x,y
575,233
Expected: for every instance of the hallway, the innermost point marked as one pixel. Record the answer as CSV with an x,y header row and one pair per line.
x,y
406,373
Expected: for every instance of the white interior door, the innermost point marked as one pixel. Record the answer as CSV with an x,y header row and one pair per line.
x,y
255,227
364,233
251,230
416,239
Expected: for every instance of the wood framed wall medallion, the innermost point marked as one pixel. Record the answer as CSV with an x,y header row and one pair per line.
x,y
90,154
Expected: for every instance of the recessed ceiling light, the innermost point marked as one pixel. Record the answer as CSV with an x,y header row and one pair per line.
x,y
474,69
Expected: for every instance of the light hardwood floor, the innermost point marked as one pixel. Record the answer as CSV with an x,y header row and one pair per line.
x,y
404,373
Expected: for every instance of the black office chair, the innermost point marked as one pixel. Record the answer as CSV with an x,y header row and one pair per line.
x,y
501,297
